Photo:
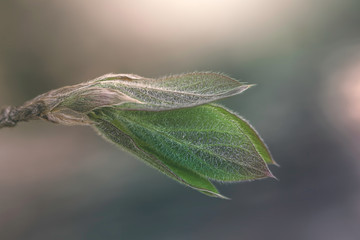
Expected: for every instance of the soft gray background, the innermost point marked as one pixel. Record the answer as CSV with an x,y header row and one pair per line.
x,y
61,182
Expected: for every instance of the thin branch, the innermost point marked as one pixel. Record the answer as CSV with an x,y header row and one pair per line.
x,y
10,116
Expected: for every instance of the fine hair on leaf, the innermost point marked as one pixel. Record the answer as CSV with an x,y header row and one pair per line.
x,y
171,123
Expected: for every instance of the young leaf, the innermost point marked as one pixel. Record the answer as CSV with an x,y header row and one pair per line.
x,y
69,105
184,176
177,91
191,145
166,122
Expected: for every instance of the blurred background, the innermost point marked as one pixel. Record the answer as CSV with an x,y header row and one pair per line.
x,y
61,182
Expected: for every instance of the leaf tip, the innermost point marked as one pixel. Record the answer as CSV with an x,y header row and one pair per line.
x,y
250,85
270,159
225,198
221,196
270,175
244,87
275,163
212,194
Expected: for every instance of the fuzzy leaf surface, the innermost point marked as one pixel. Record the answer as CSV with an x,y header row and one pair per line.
x,y
191,145
172,92
70,105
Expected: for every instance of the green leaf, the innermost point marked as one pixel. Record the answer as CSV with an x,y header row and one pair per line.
x,y
255,138
172,92
189,178
191,145
70,105
167,122
184,176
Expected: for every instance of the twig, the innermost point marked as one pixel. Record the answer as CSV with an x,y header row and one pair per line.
x,y
10,116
